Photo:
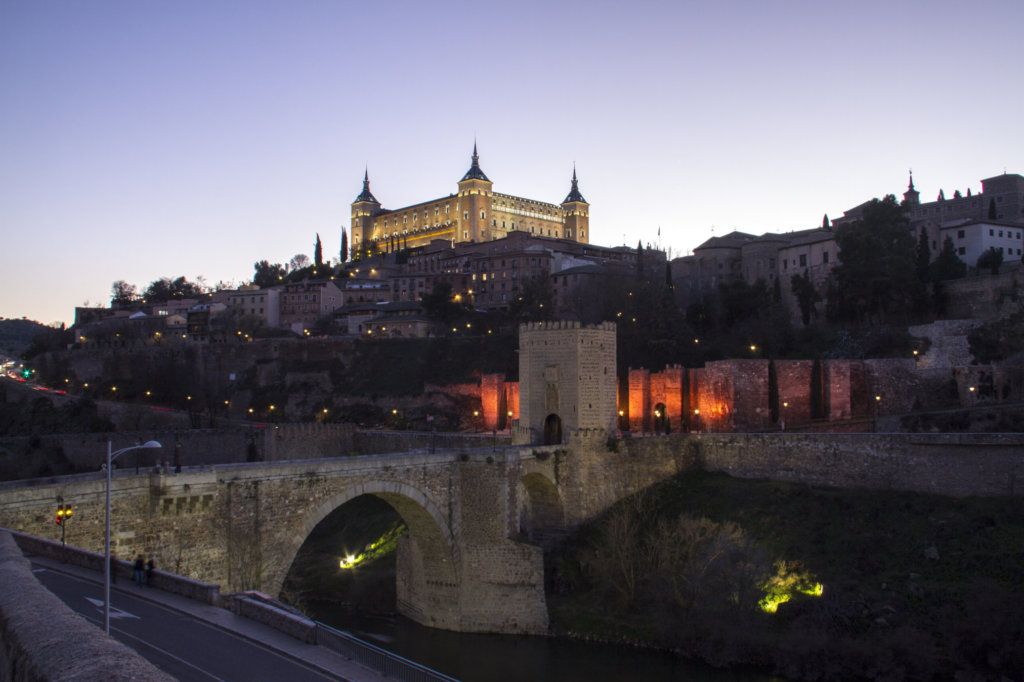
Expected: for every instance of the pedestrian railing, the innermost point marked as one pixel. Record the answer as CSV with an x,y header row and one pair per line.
x,y
375,658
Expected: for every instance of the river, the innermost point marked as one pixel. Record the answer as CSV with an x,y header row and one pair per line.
x,y
509,658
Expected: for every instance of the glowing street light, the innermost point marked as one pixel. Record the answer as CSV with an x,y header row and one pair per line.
x,y
111,456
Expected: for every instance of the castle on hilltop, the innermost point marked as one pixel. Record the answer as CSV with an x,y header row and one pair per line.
x,y
475,214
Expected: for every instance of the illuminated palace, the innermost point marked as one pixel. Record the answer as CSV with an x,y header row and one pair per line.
x,y
474,214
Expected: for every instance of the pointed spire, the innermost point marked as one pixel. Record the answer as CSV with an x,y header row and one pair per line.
x,y
475,172
911,196
366,194
574,192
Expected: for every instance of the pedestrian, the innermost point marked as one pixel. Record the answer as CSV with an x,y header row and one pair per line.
x,y
140,566
150,567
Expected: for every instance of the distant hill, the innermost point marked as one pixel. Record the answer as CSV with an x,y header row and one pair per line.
x,y
17,335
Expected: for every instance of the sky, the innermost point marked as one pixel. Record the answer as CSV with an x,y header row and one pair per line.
x,y
141,140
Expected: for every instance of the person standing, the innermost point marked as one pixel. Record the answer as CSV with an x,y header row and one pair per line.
x,y
140,565
150,567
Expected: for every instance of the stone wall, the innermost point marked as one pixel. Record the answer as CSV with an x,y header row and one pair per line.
x,y
942,464
986,296
87,452
42,639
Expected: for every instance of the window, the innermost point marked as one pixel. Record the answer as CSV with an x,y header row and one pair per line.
x,y
824,258
803,259
1000,233
959,234
991,233
465,215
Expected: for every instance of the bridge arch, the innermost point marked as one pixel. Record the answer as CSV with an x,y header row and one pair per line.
x,y
541,512
435,552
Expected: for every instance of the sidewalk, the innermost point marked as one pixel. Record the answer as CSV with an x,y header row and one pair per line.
x,y
326,660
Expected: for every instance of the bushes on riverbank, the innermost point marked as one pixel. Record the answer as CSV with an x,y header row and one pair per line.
x,y
814,583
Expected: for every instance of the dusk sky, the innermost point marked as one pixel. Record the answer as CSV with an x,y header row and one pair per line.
x,y
141,140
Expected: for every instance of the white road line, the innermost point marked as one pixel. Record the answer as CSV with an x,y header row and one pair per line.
x,y
293,660
166,653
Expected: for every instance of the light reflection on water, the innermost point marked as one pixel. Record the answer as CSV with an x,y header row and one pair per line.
x,y
509,658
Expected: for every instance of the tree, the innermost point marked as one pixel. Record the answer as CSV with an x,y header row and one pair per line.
x,y
165,289
824,223
991,259
318,252
806,296
439,304
875,275
122,293
267,274
344,246
773,393
298,261
947,264
535,302
923,256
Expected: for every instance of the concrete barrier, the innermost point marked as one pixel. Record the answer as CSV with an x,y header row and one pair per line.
x,y
258,609
43,639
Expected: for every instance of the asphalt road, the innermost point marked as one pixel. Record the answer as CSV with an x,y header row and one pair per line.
x,y
187,648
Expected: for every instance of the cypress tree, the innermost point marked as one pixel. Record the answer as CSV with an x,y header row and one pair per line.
x,y
318,252
817,390
503,411
773,392
924,256
824,222
344,246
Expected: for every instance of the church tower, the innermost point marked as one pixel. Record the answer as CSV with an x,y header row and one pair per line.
x,y
475,199
364,208
576,214
911,197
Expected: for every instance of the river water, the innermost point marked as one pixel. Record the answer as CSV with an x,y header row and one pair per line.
x,y
508,658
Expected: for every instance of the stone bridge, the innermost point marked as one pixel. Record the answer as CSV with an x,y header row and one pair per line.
x,y
472,559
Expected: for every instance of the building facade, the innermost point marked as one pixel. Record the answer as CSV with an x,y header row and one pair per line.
x,y
475,213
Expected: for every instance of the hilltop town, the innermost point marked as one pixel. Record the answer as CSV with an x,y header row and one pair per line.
x,y
918,299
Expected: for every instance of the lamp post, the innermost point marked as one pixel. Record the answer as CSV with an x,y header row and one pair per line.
x,y
64,513
111,456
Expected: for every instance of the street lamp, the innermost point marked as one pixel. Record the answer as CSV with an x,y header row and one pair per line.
x,y
64,513
111,456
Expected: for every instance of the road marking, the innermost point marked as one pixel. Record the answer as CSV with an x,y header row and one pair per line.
x,y
114,611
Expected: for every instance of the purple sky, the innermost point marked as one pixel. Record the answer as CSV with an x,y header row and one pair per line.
x,y
141,139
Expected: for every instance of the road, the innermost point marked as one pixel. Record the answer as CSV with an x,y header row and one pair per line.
x,y
182,646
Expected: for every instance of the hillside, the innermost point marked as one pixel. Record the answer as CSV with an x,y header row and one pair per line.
x,y
814,583
16,336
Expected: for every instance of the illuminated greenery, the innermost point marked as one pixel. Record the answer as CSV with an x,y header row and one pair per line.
x,y
789,581
380,547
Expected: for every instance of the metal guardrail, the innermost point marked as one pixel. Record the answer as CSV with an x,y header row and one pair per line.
x,y
375,658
